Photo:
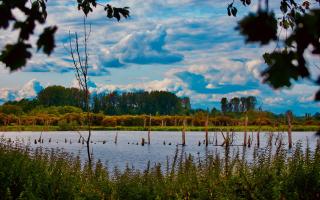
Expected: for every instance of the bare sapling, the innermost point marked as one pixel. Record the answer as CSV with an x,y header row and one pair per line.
x,y
81,66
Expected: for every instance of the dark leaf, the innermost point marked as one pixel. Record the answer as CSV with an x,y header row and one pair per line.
x,y
15,56
109,10
229,12
124,12
46,40
259,27
86,5
234,11
117,12
317,96
5,16
26,28
280,69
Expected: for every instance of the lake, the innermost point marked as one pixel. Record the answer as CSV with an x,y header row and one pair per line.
x,y
129,151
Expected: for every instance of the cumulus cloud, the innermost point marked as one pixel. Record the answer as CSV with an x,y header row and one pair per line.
x,y
142,47
28,91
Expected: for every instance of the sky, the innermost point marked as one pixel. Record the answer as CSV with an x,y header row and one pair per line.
x,y
188,47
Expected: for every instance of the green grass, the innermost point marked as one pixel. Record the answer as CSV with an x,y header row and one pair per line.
x,y
159,128
57,176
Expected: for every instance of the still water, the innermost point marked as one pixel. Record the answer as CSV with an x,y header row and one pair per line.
x,y
129,151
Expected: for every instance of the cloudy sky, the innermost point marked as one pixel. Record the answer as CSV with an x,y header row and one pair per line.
x,y
189,47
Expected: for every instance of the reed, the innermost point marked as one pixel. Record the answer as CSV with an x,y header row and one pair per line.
x,y
56,175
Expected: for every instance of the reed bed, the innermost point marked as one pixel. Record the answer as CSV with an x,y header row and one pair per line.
x,y
271,174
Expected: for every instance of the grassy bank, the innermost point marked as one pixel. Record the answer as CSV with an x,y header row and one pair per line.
x,y
58,176
159,128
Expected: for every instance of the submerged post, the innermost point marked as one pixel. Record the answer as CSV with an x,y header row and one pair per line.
x,y
289,118
116,138
149,130
258,133
245,130
184,133
206,129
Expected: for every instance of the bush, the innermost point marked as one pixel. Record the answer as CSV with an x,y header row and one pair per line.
x,y
64,125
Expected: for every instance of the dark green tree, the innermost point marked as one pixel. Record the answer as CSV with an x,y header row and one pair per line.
x,y
235,104
224,105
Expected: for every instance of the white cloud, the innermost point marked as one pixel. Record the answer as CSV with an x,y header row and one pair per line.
x,y
273,100
143,47
28,91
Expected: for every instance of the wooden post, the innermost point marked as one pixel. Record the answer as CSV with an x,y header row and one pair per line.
x,y
142,142
116,138
258,133
149,139
245,130
184,133
206,128
289,116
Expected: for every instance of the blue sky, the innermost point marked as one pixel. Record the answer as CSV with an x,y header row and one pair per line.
x,y
188,47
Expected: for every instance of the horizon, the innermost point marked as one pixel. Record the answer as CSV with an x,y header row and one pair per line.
x,y
187,49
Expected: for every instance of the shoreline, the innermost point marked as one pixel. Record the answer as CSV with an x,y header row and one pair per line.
x,y
300,128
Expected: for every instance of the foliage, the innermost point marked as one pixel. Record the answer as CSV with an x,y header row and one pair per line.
x,y
155,103
15,55
27,175
290,62
61,96
259,27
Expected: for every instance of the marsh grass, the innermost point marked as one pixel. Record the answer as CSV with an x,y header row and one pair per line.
x,y
271,174
72,126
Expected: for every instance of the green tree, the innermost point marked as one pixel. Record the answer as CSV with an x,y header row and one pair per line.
x,y
224,105
235,104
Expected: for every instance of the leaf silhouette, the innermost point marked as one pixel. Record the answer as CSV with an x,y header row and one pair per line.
x,y
117,12
15,56
5,16
46,40
280,69
259,27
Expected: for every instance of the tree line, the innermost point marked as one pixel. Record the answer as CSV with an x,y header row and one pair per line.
x,y
237,104
113,103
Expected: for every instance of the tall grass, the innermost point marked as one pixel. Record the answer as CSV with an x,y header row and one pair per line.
x,y
50,175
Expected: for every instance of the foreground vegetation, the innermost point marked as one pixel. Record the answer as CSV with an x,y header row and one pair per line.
x,y
40,175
